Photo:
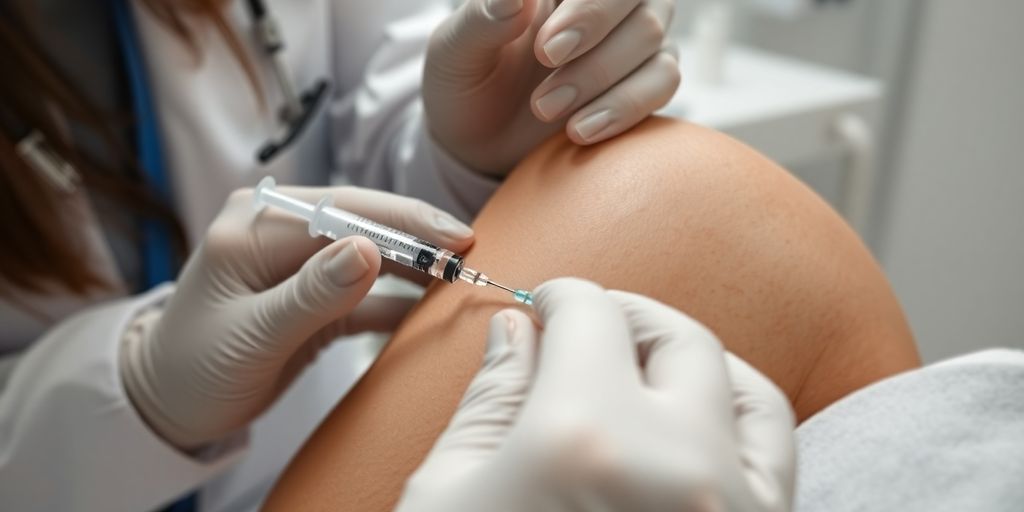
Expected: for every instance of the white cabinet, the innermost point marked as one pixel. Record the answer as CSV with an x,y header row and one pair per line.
x,y
793,112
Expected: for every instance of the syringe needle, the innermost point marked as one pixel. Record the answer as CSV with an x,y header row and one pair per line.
x,y
519,295
503,287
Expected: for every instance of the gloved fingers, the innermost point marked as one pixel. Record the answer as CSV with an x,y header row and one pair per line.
x,y
681,358
585,344
764,429
576,26
474,35
576,84
493,400
261,248
627,103
328,286
376,313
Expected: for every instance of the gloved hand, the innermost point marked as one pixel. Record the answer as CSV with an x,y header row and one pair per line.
x,y
503,75
255,304
625,404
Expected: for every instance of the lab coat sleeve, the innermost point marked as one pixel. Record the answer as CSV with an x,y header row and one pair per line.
x,y
71,440
380,136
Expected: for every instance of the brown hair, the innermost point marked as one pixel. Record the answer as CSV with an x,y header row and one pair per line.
x,y
35,251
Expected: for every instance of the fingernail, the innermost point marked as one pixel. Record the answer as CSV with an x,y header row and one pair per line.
x,y
451,227
559,47
347,266
555,102
593,124
513,335
501,9
499,336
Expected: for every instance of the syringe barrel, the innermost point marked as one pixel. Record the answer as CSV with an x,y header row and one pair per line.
x,y
393,244
335,223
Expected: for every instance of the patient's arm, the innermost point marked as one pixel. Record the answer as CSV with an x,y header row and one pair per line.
x,y
674,211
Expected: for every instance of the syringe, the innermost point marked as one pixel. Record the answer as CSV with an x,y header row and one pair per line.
x,y
398,246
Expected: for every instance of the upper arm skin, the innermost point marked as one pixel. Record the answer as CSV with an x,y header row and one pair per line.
x,y
670,210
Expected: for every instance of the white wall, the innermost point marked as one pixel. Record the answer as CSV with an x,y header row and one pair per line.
x,y
953,240
949,220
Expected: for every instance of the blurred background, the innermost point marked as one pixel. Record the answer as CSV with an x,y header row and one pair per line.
x,y
908,115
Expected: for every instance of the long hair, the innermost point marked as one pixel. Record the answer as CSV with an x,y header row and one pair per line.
x,y
37,252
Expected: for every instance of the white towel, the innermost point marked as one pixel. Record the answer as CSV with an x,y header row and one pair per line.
x,y
949,436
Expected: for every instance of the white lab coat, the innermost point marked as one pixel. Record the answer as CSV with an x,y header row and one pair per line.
x,y
69,438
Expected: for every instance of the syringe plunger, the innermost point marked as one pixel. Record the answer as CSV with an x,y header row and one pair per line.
x,y
266,194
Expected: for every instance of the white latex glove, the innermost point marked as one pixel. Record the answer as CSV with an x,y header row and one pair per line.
x,y
503,75
255,304
625,404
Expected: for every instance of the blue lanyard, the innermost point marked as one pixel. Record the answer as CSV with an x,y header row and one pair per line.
x,y
157,255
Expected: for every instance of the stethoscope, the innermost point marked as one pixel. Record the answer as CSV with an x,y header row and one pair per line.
x,y
298,108
295,114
